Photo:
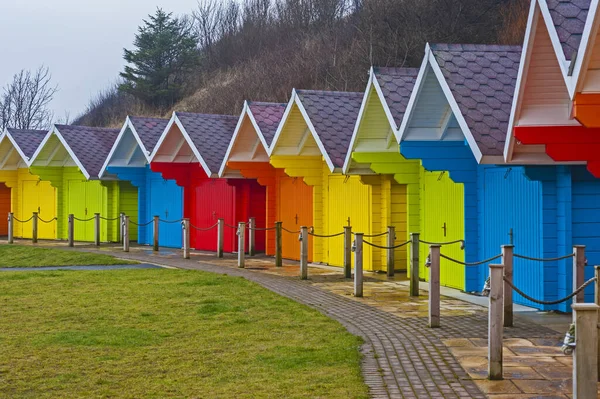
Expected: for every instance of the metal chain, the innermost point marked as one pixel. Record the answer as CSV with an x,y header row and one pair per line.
x,y
471,263
290,231
231,226
441,243
556,302
382,247
322,236
83,220
375,235
543,259
170,221
22,221
47,221
204,229
141,224
110,219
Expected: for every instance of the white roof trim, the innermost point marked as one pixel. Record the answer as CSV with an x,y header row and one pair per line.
x,y
296,100
175,120
126,125
560,55
414,96
246,112
7,134
532,22
54,131
586,47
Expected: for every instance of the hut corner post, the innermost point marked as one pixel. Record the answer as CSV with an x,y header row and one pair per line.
x,y
414,264
495,325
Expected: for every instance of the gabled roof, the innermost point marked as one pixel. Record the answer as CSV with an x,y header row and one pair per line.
x,y
265,118
146,132
396,85
87,146
25,141
330,117
207,135
568,18
478,82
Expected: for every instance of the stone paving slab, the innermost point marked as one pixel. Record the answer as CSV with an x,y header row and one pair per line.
x,y
402,357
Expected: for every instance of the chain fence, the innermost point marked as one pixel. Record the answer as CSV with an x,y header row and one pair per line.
x,y
47,221
543,259
470,263
204,228
23,221
384,247
555,302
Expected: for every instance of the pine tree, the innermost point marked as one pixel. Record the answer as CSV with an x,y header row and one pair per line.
x,y
165,50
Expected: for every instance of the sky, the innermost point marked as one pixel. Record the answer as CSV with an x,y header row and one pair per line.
x,y
81,41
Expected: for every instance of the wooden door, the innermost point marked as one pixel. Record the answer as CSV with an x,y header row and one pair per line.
x,y
295,209
46,196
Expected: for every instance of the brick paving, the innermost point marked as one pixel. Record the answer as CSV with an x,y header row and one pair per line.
x,y
402,357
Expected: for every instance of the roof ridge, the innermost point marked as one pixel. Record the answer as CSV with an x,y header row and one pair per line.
x,y
331,92
265,103
213,116
474,47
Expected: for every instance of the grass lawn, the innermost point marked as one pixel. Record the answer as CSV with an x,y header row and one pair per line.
x,y
26,256
159,333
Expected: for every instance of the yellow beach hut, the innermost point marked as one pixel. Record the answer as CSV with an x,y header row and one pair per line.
x,y
23,193
71,158
311,143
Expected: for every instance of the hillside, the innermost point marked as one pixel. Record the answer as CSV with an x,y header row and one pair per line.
x,y
262,49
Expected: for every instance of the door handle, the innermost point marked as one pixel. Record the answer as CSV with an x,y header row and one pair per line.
x,y
39,210
167,213
444,227
85,211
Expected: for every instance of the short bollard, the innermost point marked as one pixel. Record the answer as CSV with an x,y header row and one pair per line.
x,y
125,233
71,230
11,227
122,226
278,247
241,244
434,286
185,228
358,265
495,326
220,236
303,252
578,271
347,251
155,232
585,373
391,239
97,229
414,264
252,237
507,261
34,224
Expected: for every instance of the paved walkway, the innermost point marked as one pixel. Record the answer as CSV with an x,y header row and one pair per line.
x,y
403,358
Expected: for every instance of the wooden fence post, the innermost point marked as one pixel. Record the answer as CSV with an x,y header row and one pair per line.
x,y
579,262
220,236
278,247
495,325
303,252
414,264
155,231
358,265
597,302
186,237
252,236
241,244
122,226
585,362
507,260
11,227
391,239
71,230
434,286
97,229
34,226
126,233
347,251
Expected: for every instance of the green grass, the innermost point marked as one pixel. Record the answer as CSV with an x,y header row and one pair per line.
x,y
161,333
25,256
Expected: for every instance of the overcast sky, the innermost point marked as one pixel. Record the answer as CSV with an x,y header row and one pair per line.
x,y
81,41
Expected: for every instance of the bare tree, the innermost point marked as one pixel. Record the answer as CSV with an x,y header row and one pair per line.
x,y
24,102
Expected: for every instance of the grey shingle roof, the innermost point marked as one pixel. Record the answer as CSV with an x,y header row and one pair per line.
x,y
397,85
333,114
91,145
211,134
28,140
569,19
149,129
267,116
482,79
